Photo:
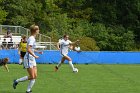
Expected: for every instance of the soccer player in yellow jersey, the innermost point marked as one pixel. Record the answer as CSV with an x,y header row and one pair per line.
x,y
22,49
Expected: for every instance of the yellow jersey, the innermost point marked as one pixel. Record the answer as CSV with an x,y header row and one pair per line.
x,y
23,46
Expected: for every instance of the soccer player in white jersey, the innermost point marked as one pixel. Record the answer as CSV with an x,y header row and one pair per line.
x,y
29,60
63,45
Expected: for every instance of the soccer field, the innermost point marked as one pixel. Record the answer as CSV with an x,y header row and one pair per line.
x,y
90,79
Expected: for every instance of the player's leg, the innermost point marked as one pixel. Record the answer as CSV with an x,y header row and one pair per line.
x,y
59,64
22,54
22,79
21,59
32,76
70,61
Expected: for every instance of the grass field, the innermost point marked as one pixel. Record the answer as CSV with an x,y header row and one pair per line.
x,y
90,79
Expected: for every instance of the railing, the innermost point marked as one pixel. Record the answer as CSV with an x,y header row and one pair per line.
x,y
44,41
9,45
46,45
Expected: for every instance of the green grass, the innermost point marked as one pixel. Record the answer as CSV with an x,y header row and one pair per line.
x,y
90,79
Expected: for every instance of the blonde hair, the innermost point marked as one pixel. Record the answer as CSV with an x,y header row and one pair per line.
x,y
23,36
33,28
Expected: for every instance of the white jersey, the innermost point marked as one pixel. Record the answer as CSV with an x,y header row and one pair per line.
x,y
29,60
64,46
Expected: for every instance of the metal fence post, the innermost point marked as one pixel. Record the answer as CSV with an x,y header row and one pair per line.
x,y
15,29
0,29
50,44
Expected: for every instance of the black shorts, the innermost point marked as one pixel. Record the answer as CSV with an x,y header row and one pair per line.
x,y
22,54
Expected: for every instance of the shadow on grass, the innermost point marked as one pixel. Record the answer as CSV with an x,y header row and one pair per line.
x,y
6,91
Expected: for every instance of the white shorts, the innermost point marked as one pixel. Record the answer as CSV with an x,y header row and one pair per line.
x,y
64,54
29,62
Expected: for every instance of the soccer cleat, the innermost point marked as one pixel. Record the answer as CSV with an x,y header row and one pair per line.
x,y
15,84
29,91
56,68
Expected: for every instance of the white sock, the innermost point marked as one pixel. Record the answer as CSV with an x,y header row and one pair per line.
x,y
20,61
71,65
59,64
22,79
30,85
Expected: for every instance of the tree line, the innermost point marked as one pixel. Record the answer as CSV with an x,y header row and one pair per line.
x,y
105,25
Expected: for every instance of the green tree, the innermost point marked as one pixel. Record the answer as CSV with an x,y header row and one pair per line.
x,y
104,11
111,24
88,44
3,13
77,9
112,38
22,12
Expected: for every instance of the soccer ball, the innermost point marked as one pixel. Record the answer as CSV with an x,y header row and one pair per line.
x,y
77,48
75,70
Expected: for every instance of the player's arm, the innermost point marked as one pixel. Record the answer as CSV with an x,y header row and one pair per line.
x,y
58,46
6,67
40,52
73,43
31,52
